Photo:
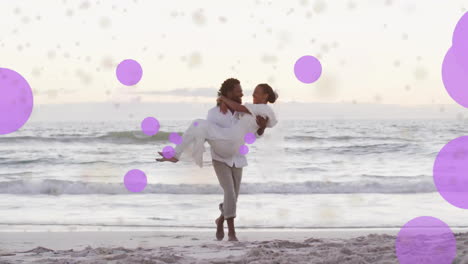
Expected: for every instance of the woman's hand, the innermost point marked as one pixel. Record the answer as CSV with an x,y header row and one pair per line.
x,y
262,123
223,108
221,98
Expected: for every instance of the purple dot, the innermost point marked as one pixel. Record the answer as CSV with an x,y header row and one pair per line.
x,y
450,172
16,101
460,42
307,69
175,138
195,123
455,79
150,126
168,152
427,240
243,150
249,138
129,72
135,180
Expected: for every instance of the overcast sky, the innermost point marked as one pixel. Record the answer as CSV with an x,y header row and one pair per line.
x,y
378,51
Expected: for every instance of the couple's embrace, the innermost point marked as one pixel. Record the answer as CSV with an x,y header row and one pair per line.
x,y
224,129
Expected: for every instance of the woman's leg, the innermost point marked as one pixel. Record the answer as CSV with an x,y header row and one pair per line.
x,y
194,137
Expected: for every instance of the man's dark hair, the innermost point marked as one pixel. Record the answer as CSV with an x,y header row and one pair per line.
x,y
227,86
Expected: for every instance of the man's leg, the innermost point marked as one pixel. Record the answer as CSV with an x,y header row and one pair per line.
x,y
236,178
225,178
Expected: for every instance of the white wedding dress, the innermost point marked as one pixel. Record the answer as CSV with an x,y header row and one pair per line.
x,y
225,141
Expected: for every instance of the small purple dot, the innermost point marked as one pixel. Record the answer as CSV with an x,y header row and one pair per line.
x,y
427,240
195,123
243,150
307,69
16,101
249,138
175,138
135,180
168,152
129,72
150,126
450,172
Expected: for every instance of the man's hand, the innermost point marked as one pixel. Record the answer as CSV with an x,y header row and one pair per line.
x,y
262,123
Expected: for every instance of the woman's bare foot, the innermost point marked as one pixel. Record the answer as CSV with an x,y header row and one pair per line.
x,y
220,228
232,237
174,160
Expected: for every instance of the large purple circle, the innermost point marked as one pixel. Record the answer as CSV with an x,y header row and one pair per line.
x,y
175,138
150,126
450,172
307,69
135,180
426,240
129,72
168,152
460,42
16,101
455,79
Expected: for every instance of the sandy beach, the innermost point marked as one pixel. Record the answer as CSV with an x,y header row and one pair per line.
x,y
298,246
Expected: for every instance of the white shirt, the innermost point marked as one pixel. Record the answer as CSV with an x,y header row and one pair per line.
x,y
226,120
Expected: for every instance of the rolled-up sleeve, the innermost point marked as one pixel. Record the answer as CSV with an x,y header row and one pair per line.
x,y
211,116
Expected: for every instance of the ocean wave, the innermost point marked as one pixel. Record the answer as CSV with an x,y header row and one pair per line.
x,y
138,136
357,149
119,137
59,161
382,185
346,138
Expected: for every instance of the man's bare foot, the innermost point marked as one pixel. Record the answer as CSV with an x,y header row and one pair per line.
x,y
232,237
219,228
174,160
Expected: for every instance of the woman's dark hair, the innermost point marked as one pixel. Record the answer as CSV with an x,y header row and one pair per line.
x,y
272,95
227,86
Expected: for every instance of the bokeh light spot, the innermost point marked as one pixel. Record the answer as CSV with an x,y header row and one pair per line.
x,y
135,180
249,138
426,240
244,149
150,126
129,72
460,42
450,172
307,69
16,101
168,152
175,138
455,79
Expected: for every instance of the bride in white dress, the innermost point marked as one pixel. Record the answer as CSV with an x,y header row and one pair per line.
x,y
226,141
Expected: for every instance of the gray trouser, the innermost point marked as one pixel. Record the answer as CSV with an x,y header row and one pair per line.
x,y
230,179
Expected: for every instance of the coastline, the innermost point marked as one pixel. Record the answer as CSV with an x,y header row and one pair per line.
x,y
200,246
